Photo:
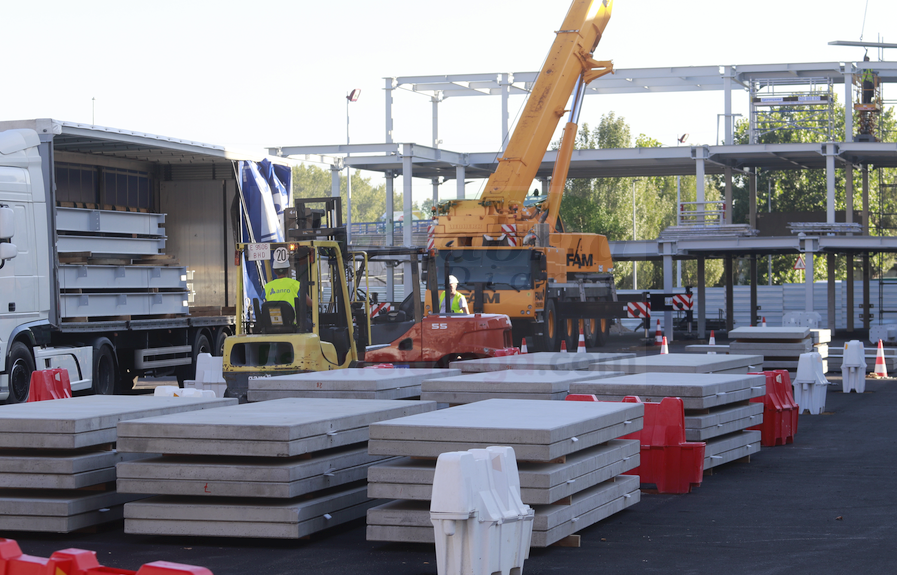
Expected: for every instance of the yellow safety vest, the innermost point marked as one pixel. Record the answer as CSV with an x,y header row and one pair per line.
x,y
456,301
282,289
868,75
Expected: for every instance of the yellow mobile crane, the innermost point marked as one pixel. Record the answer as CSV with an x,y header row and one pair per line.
x,y
516,259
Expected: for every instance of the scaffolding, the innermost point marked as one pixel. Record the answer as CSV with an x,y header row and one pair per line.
x,y
792,104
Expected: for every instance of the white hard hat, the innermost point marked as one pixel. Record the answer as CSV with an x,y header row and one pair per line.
x,y
453,280
280,264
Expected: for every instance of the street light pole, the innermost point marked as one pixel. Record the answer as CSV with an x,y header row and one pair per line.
x,y
350,97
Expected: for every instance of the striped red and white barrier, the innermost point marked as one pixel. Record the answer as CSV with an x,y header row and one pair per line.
x,y
638,309
379,308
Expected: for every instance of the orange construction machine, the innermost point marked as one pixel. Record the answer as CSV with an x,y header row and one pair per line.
x,y
514,258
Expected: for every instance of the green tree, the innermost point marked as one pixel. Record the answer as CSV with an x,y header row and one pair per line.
x,y
368,201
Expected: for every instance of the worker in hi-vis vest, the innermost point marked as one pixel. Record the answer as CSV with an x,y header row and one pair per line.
x,y
283,287
868,83
459,302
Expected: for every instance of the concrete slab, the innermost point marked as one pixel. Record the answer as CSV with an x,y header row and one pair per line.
x,y
255,395
61,524
353,379
769,333
409,521
773,348
540,483
705,348
277,428
720,450
61,462
508,421
516,381
821,335
688,402
718,423
660,385
684,363
86,421
230,517
545,361
461,397
242,477
58,503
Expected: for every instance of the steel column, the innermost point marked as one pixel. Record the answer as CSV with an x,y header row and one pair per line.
x,y
459,182
390,233
730,293
407,151
848,107
830,151
702,305
753,280
850,303
831,292
667,250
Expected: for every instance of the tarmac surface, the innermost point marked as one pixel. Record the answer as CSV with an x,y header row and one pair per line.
x,y
820,505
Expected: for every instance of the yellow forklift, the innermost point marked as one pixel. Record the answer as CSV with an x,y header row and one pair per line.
x,y
324,327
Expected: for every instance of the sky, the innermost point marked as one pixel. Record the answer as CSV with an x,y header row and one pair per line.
x,y
276,72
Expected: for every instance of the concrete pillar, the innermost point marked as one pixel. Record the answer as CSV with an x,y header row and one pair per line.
x,y
702,304
435,129
390,86
753,279
867,305
752,199
848,107
390,233
407,163
848,193
728,198
808,281
850,303
727,104
335,181
667,248
435,182
459,182
730,293
830,183
699,176
865,200
831,292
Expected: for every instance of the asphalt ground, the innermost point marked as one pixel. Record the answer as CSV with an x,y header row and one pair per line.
x,y
820,505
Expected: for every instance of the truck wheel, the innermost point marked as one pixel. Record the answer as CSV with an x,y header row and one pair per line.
x,y
104,373
222,334
595,331
570,330
551,335
21,365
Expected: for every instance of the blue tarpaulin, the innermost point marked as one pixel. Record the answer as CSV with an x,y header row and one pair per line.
x,y
265,190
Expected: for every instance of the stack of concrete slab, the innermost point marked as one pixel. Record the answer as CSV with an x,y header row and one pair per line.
x,y
508,384
717,407
353,383
57,462
683,363
568,454
781,347
283,468
542,361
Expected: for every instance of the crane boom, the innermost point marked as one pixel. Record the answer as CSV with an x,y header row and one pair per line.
x,y
569,59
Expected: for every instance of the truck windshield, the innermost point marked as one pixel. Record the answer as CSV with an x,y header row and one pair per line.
x,y
497,269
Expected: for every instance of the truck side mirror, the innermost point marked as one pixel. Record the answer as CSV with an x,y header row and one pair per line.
x,y
7,224
7,251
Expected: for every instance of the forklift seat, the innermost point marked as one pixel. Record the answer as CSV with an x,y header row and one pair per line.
x,y
276,317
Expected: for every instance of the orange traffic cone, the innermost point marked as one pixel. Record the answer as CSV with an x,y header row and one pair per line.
x,y
658,336
563,346
880,369
712,338
764,322
581,347
523,346
664,349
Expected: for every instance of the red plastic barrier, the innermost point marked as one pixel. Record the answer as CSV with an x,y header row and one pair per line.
x,y
79,562
780,410
667,460
49,384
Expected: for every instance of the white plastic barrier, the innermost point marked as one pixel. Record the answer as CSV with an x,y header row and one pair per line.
x,y
175,391
481,525
810,319
810,384
853,368
209,374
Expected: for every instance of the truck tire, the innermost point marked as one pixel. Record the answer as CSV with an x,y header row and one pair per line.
x,y
595,331
104,370
551,336
570,330
222,334
21,366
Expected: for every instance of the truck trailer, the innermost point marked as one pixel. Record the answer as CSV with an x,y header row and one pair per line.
x,y
116,253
